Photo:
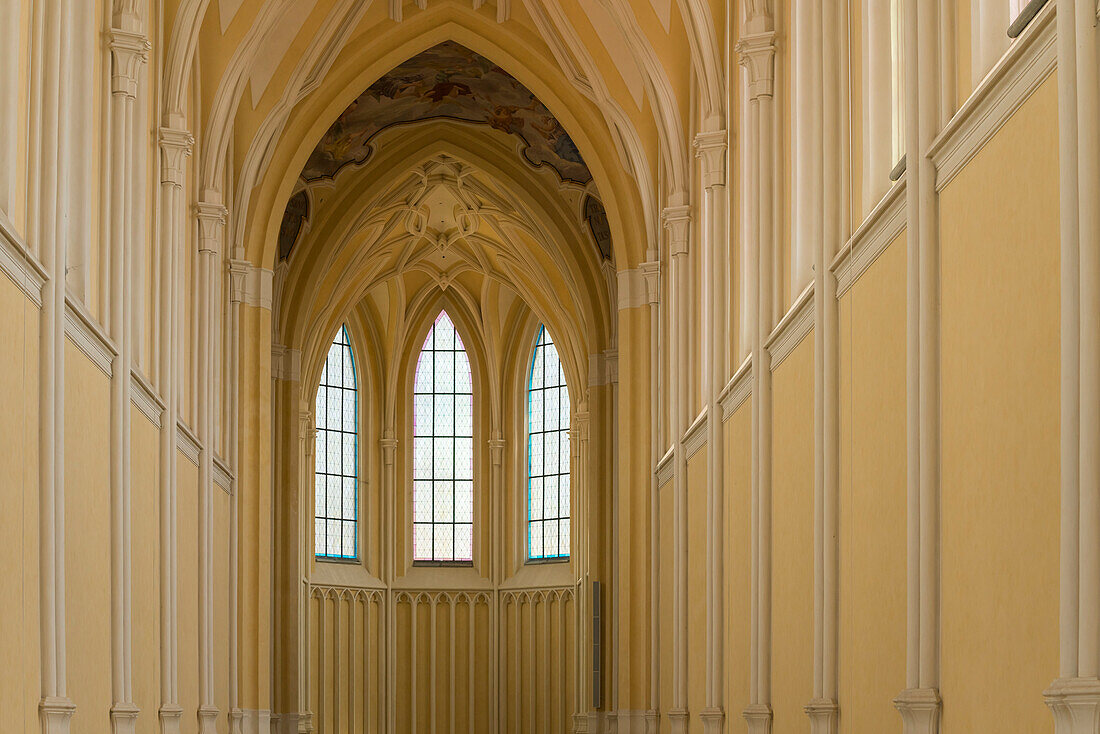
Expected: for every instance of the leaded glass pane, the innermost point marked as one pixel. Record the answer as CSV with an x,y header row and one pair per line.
x,y
547,453
336,412
443,463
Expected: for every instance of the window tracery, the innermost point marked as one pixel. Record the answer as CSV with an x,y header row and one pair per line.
x,y
336,498
547,453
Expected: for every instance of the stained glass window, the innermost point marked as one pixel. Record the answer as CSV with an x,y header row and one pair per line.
x,y
443,448
547,454
336,492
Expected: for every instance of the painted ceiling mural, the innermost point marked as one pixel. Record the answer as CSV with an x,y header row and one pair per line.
x,y
448,81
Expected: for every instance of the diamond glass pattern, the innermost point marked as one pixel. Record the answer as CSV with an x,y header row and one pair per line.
x,y
547,453
443,456
336,497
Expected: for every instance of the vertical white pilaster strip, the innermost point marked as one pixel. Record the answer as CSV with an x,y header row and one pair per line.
x,y
129,50
175,147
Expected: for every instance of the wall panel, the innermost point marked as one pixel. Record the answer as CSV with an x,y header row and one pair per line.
x,y
145,566
697,587
873,494
87,541
792,539
737,548
1000,403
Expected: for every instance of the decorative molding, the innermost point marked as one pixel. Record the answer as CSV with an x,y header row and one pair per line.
x,y
88,336
19,264
170,715
710,149
881,227
677,220
175,148
678,720
56,714
920,710
756,52
1075,703
665,467
145,397
651,271
629,722
223,475
129,51
695,437
254,721
633,288
1029,61
250,285
737,390
758,717
124,718
187,442
824,715
714,720
792,328
286,363
211,217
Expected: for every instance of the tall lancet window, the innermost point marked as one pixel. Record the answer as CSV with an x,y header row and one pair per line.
x,y
547,454
443,448
336,498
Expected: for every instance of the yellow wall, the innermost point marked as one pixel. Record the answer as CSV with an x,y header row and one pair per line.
x,y
738,552
697,520
187,549
1000,383
792,538
19,608
87,540
145,566
873,495
666,539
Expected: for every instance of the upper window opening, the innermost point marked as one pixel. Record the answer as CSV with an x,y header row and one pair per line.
x,y
443,448
336,500
547,454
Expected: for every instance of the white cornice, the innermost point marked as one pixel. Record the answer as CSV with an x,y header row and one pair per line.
x,y
792,328
737,390
695,437
664,468
187,442
1029,61
88,336
146,398
18,263
223,477
881,227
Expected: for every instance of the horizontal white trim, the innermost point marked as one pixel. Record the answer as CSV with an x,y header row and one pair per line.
x,y
881,227
18,263
223,476
145,397
737,390
665,467
695,437
187,442
88,336
1027,63
792,328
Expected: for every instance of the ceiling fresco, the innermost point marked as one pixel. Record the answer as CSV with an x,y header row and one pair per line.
x,y
448,81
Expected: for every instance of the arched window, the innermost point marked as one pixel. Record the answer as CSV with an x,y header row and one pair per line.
x,y
336,494
547,454
443,448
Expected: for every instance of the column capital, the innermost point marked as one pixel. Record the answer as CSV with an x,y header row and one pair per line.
x,y
758,717
651,271
1075,703
710,148
677,220
824,715
211,218
129,50
756,52
920,710
175,146
496,450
